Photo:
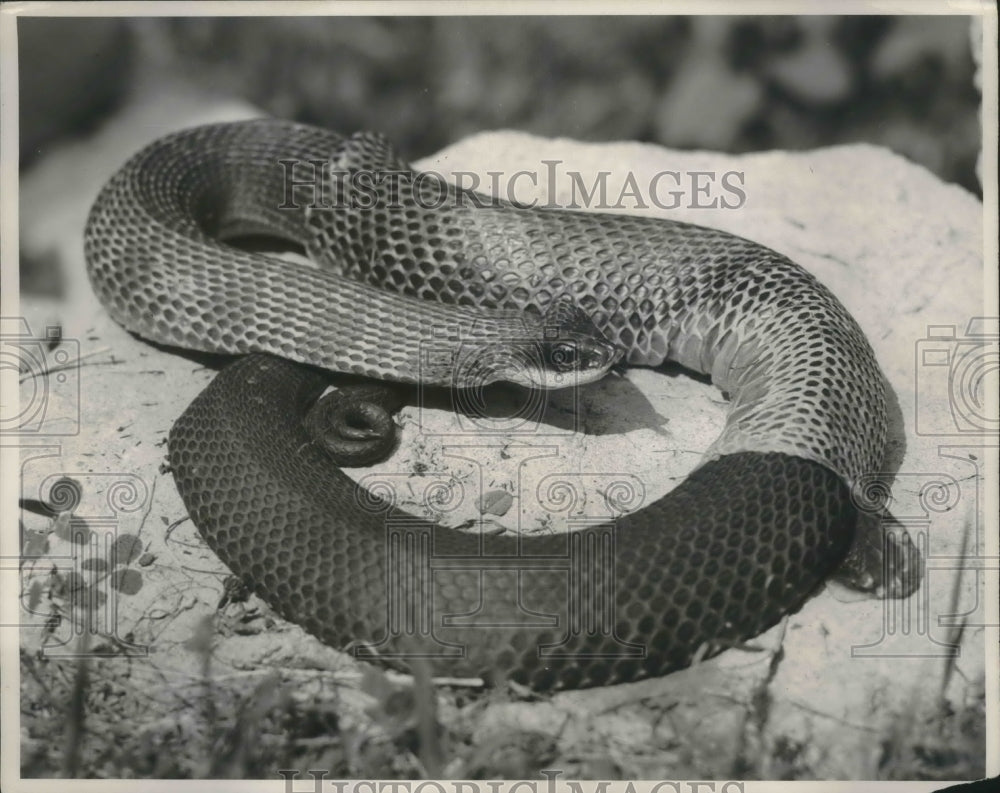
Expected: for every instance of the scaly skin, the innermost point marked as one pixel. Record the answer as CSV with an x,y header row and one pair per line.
x,y
743,541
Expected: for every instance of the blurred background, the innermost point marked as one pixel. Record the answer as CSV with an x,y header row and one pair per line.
x,y
726,83
729,83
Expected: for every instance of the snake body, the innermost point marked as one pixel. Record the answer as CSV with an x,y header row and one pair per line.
x,y
764,518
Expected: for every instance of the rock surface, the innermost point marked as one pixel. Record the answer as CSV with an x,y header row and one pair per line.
x,y
845,688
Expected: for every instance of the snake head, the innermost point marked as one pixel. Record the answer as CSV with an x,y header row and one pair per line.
x,y
558,349
571,351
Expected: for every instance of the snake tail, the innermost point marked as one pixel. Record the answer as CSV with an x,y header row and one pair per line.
x,y
741,542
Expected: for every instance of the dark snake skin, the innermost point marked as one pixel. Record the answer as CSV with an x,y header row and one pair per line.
x,y
741,542
717,560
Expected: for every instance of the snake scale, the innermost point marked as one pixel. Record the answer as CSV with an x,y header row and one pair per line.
x,y
762,520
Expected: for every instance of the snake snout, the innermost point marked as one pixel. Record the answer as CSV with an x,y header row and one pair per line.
x,y
547,364
575,351
566,362
591,356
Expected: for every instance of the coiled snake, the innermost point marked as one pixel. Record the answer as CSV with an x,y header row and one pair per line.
x,y
742,541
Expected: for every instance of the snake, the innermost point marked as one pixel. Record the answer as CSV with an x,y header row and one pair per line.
x,y
763,519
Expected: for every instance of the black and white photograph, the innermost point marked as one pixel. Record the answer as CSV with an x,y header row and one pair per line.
x,y
432,397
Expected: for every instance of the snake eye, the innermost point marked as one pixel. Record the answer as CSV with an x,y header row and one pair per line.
x,y
563,356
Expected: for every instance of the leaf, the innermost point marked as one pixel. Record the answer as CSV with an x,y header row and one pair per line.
x,y
34,596
93,598
128,582
126,548
34,543
71,529
68,583
495,502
